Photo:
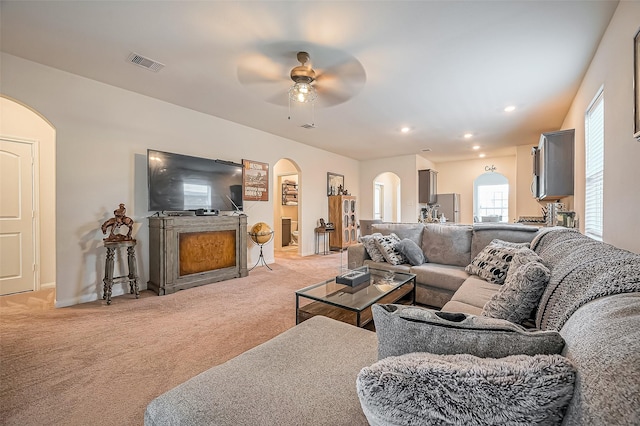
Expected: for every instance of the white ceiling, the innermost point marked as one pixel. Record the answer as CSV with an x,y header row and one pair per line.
x,y
442,68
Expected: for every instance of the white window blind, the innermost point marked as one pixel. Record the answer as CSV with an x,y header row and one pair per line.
x,y
594,168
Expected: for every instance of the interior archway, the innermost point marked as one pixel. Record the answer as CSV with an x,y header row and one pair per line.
x,y
21,122
287,207
491,198
386,197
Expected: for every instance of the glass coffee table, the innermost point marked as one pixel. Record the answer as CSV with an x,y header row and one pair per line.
x,y
353,304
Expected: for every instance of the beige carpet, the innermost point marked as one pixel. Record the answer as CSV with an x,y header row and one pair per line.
x,y
94,364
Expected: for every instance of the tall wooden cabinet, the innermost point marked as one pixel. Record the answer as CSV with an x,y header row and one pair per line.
x,y
342,213
427,186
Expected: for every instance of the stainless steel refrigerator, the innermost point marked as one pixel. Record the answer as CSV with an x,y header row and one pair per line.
x,y
449,206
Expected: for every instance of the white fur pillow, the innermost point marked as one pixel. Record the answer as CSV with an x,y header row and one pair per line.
x,y
426,389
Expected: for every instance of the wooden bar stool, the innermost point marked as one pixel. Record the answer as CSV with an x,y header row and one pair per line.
x,y
109,279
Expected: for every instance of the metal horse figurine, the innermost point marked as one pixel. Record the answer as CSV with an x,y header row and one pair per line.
x,y
115,223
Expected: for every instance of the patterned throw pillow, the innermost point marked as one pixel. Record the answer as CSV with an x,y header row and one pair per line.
x,y
462,389
387,246
492,263
522,290
369,243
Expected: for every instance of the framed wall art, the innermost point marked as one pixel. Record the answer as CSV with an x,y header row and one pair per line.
x,y
255,181
636,86
335,182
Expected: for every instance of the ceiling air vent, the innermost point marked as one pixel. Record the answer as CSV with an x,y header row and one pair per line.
x,y
143,62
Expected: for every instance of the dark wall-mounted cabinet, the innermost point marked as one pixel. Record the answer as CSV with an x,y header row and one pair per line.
x,y
553,166
427,186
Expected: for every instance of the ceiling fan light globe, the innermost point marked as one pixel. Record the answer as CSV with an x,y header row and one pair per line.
x,y
302,92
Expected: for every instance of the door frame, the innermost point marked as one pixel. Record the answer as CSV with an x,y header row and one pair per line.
x,y
35,202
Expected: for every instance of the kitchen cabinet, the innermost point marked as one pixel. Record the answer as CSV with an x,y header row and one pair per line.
x,y
427,186
553,166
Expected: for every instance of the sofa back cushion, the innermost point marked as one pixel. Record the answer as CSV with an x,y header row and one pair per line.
x,y
483,234
447,244
412,231
582,269
603,343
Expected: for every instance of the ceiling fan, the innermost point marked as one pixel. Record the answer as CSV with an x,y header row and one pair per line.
x,y
303,76
335,77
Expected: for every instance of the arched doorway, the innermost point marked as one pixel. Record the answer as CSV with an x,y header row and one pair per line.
x,y
23,127
287,203
386,197
491,198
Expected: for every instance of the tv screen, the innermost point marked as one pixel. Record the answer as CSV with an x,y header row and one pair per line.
x,y
181,182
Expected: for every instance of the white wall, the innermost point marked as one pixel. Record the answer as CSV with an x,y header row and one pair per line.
x,y
612,67
405,167
458,176
102,136
19,122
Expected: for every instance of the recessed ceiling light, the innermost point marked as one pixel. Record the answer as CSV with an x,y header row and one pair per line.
x,y
476,147
405,129
510,108
468,135
482,155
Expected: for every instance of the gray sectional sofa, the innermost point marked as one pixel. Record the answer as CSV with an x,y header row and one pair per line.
x,y
442,280
307,375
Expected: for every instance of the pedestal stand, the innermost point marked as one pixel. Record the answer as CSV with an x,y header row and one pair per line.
x,y
131,278
256,239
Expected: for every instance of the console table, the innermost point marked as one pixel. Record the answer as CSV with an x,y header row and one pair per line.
x,y
188,251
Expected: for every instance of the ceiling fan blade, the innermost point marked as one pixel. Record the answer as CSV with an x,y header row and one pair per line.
x,y
257,68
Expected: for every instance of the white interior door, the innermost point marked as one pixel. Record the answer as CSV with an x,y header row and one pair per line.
x,y
17,248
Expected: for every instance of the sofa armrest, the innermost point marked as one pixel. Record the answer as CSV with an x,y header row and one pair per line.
x,y
356,255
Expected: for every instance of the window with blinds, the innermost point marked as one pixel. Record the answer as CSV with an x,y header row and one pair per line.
x,y
594,167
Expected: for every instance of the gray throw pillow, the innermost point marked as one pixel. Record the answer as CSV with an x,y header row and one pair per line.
x,y
403,329
369,243
522,290
492,263
386,244
411,251
429,389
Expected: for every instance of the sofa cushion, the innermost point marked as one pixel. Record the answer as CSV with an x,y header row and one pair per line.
x,y
384,266
492,263
602,341
475,291
413,231
411,251
369,243
516,300
440,276
424,388
447,244
484,233
387,246
455,306
263,386
403,329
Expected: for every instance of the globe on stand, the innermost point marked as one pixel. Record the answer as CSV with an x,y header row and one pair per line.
x,y
261,234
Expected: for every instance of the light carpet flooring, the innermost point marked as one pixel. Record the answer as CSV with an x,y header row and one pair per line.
x,y
93,364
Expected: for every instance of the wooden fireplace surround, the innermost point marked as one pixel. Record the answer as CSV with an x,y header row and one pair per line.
x,y
188,251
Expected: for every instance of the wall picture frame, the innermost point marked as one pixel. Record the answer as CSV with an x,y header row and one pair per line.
x,y
334,181
255,181
636,85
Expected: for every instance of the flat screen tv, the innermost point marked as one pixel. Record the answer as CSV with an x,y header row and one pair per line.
x,y
180,183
